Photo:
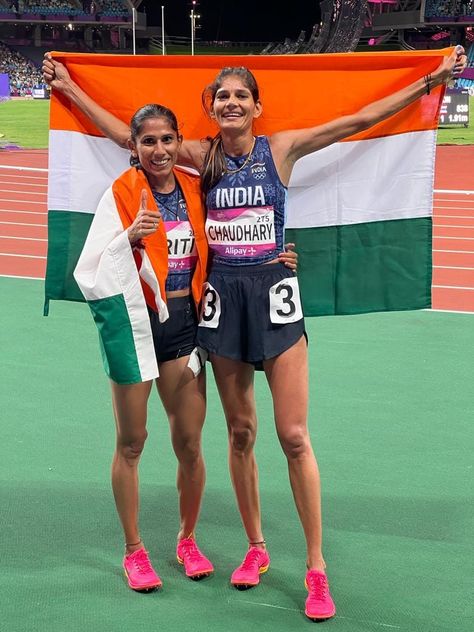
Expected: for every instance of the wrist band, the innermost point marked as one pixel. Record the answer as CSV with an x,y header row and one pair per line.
x,y
427,79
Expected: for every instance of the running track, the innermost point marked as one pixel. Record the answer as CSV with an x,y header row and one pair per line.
x,y
23,222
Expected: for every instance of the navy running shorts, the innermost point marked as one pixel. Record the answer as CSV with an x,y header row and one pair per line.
x,y
250,313
176,337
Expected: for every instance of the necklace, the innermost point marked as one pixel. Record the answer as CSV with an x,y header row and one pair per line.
x,y
246,161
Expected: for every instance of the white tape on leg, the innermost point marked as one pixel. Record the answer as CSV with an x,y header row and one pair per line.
x,y
197,360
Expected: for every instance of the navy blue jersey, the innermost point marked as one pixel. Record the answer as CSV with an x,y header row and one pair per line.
x,y
246,210
182,254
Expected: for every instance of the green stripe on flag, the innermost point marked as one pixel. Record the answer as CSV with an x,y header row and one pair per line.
x,y
369,267
67,232
116,339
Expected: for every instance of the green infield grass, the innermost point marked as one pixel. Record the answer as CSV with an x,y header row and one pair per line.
x,y
26,123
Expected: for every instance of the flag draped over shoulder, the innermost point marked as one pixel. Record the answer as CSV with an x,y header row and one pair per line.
x,y
359,211
110,281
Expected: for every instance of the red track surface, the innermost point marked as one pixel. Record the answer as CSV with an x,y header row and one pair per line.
x,y
23,222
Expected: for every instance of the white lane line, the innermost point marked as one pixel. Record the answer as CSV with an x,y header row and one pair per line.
x,y
454,216
451,268
14,276
466,200
271,605
25,201
23,224
461,238
23,238
10,210
453,226
454,191
8,254
460,252
454,208
453,287
24,184
9,191
19,179
16,167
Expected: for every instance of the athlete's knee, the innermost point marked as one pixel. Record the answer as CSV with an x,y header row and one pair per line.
x,y
187,448
131,448
295,443
242,434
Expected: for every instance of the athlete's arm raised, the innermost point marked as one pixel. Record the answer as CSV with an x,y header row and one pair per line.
x,y
57,76
289,146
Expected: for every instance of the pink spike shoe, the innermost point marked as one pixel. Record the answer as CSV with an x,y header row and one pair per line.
x,y
196,565
140,573
319,604
247,575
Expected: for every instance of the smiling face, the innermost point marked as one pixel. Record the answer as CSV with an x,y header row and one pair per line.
x,y
234,107
157,145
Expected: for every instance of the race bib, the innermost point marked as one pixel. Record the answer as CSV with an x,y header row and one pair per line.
x,y
285,302
211,307
182,254
241,232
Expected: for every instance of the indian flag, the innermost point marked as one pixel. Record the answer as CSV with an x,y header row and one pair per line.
x,y
359,211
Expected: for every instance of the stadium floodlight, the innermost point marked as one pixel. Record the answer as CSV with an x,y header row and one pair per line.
x,y
163,49
134,21
194,16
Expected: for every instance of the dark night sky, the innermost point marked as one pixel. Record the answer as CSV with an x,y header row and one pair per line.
x,y
238,20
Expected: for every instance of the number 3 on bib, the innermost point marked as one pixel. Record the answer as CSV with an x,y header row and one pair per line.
x,y
285,303
211,307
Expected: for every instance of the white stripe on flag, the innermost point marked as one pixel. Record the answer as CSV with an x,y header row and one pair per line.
x,y
364,181
81,168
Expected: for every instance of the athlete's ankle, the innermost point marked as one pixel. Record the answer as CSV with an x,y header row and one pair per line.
x,y
316,563
259,544
185,534
131,547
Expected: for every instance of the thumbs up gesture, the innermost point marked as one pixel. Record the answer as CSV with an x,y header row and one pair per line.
x,y
145,223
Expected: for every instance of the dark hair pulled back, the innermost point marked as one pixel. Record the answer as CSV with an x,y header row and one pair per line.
x,y
214,164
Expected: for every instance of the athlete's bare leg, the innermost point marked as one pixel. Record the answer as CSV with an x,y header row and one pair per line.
x,y
184,400
235,384
287,376
130,409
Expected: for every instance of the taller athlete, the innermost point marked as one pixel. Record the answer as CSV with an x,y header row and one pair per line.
x,y
252,313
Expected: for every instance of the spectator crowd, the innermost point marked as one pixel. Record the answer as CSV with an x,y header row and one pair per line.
x,y
448,8
23,74
70,7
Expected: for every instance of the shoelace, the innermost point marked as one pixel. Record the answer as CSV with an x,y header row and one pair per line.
x,y
142,563
190,551
251,559
318,586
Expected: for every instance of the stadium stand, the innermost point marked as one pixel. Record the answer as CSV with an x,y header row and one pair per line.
x,y
51,7
443,9
22,72
114,7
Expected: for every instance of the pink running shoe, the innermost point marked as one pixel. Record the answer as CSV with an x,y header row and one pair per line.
x,y
319,603
140,573
256,562
196,565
